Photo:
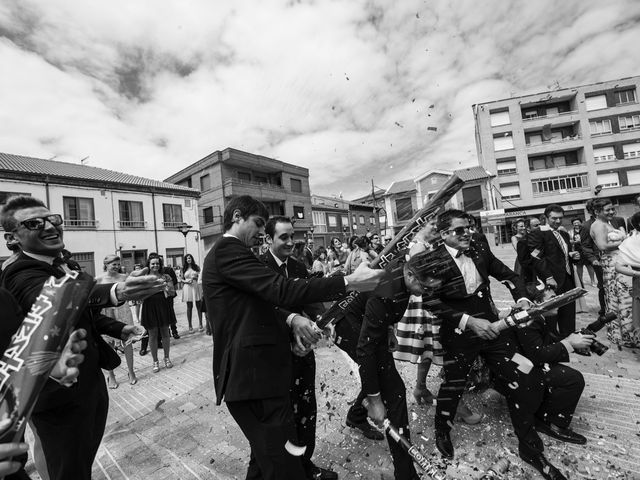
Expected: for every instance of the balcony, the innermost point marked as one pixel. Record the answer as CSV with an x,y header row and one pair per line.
x,y
132,224
172,224
80,224
236,187
555,144
563,118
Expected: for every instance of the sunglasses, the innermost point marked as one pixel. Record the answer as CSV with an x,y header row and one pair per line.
x,y
38,223
459,231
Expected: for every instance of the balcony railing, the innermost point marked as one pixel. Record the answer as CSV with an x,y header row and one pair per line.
x,y
251,183
172,224
555,140
551,167
553,115
135,224
80,223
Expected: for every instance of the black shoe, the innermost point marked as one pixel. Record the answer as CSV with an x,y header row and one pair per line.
x,y
559,433
317,473
366,429
143,352
443,443
542,465
176,336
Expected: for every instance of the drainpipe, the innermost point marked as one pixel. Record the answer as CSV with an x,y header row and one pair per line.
x,y
155,227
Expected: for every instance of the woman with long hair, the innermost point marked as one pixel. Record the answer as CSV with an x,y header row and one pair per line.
x,y
519,228
617,286
113,274
190,290
359,248
628,263
336,254
320,262
156,316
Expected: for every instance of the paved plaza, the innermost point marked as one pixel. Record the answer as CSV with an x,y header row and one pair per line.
x,y
167,427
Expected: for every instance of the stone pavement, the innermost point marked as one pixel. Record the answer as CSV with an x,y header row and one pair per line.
x,y
168,426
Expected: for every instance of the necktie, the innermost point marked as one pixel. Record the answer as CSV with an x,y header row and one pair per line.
x,y
61,265
463,252
283,270
564,248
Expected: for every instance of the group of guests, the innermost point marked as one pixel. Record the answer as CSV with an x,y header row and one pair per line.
x,y
606,245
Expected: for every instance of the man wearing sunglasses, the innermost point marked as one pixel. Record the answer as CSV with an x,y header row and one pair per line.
x,y
466,309
69,421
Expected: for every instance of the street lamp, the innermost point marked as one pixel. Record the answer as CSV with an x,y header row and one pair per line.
x,y
184,229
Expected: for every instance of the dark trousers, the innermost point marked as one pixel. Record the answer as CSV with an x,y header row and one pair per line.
x,y
567,314
268,425
303,402
523,391
600,277
71,434
563,387
174,319
392,391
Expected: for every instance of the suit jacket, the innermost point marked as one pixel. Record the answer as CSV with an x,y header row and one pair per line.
x,y
252,355
295,269
526,261
548,256
451,301
24,279
539,345
11,318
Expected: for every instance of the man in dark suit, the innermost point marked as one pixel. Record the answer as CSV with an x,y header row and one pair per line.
x,y
308,253
279,235
590,252
252,353
69,421
553,259
563,384
464,305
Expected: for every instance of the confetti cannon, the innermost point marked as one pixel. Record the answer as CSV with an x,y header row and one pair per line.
x,y
591,329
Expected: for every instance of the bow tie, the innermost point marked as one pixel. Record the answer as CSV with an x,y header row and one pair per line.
x,y
466,252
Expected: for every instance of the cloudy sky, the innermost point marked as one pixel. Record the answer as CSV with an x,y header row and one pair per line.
x,y
345,88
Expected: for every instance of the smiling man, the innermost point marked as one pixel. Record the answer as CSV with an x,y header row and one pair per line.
x,y
69,421
252,353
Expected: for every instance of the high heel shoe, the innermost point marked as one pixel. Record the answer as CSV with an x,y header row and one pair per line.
x,y
467,416
156,367
423,395
167,363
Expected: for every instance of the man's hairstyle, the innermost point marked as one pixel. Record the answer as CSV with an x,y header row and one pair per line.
x,y
363,242
555,208
599,204
446,218
248,206
270,227
533,218
589,206
9,223
635,221
574,219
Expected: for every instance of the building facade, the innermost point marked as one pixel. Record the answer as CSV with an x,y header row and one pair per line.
x,y
563,146
336,217
222,175
107,212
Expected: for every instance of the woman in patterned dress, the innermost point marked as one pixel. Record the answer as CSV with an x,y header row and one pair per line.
x,y
628,263
122,313
617,286
190,290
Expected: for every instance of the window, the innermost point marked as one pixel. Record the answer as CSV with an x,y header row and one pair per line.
x,y
626,96
530,114
500,118
510,192
173,257
244,176
131,214
78,212
507,167
600,127
205,183
320,221
355,219
631,150
296,185
629,122
503,141
633,177
362,221
552,111
345,220
560,184
535,139
298,213
207,214
404,210
372,220
86,261
186,183
609,180
261,179
333,220
602,154
171,215
187,202
596,103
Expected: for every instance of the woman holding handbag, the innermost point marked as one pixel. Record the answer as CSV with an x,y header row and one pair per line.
x,y
156,315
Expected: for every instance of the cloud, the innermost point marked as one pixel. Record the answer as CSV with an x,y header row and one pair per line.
x,y
350,90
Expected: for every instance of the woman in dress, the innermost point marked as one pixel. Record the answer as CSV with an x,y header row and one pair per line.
x,y
191,290
617,286
359,248
320,262
123,313
519,233
628,263
155,316
336,254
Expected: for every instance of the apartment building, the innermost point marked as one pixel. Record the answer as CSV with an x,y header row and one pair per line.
x,y
222,175
564,146
107,212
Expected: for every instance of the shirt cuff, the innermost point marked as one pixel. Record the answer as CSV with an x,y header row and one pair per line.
x,y
113,296
346,282
524,298
463,322
290,319
373,394
567,345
